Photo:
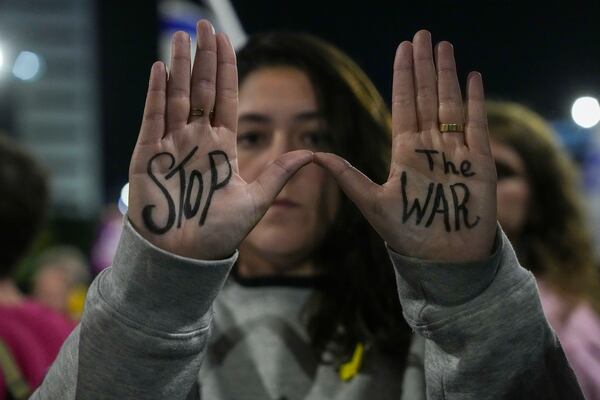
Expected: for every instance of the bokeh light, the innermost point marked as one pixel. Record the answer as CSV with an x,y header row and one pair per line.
x,y
124,199
27,66
586,111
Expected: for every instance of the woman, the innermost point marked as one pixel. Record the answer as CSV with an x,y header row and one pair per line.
x,y
30,333
197,190
539,210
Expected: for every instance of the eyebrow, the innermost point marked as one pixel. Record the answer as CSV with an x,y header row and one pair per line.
x,y
301,117
508,166
309,115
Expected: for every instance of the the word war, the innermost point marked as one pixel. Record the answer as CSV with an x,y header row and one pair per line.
x,y
189,185
436,201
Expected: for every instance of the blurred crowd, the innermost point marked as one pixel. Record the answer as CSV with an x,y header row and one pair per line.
x,y
35,322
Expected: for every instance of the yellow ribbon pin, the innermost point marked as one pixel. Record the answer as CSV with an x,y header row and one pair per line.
x,y
350,369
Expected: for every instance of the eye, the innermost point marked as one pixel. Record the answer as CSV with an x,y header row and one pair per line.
x,y
504,171
316,140
251,139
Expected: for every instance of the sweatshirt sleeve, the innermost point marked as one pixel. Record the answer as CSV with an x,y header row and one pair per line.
x,y
144,330
486,336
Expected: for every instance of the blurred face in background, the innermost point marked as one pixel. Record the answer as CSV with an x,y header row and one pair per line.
x,y
51,287
513,189
278,113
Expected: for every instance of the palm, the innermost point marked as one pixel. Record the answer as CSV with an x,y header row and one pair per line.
x,y
191,219
186,195
436,218
439,202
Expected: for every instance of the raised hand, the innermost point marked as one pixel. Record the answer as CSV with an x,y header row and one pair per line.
x,y
439,202
186,195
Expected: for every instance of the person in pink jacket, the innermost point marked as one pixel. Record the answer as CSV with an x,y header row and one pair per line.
x,y
30,334
538,208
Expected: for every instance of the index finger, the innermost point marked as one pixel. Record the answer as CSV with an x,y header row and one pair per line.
x,y
404,113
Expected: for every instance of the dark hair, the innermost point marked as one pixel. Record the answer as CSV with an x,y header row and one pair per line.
x,y
23,203
556,243
361,304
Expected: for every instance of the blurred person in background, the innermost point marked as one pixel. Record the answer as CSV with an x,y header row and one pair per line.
x,y
314,308
30,333
107,238
540,211
61,279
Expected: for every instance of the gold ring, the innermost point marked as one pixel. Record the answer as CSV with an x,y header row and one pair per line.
x,y
197,112
452,128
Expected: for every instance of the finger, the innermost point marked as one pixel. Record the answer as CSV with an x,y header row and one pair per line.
x,y
425,78
227,85
270,182
153,121
404,112
178,86
357,186
450,99
204,72
476,135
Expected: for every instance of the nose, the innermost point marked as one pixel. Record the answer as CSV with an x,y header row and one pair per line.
x,y
281,144
252,166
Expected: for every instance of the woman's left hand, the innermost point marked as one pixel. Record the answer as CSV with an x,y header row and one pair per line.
x,y
439,202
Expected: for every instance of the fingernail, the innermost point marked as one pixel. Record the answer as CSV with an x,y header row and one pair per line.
x,y
158,66
181,35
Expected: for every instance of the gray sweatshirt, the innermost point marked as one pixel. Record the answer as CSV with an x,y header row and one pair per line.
x,y
146,334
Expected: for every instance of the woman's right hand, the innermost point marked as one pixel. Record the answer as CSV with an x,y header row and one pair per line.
x,y
186,196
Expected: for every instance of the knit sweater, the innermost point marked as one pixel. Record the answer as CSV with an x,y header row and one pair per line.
x,y
146,334
260,343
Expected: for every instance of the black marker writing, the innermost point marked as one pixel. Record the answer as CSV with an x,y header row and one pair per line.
x,y
181,171
188,186
416,205
465,169
214,182
460,206
188,210
449,166
429,154
439,206
147,211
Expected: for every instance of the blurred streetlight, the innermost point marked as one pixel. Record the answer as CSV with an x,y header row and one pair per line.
x,y
27,66
586,111
124,199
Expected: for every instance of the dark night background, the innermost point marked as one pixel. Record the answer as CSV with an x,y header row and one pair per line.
x,y
544,54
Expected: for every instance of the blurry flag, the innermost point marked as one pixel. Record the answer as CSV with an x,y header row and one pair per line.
x,y
182,15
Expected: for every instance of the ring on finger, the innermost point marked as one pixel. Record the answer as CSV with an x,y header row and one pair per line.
x,y
197,112
452,128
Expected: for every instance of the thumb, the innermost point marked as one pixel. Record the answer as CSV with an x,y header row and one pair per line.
x,y
270,182
357,186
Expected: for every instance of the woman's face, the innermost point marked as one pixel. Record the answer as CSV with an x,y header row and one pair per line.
x,y
513,189
278,113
